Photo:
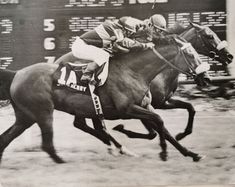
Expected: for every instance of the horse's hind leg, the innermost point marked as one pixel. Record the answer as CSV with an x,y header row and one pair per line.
x,y
131,134
14,131
46,127
172,104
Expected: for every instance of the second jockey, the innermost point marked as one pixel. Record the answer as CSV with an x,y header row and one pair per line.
x,y
93,44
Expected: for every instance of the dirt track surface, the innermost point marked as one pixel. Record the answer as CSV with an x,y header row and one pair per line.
x,y
89,164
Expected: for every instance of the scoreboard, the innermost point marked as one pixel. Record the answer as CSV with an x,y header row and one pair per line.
x,y
33,31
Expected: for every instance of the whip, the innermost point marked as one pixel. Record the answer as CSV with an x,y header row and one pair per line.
x,y
154,4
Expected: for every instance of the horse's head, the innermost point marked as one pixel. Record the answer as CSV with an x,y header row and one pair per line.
x,y
207,42
186,60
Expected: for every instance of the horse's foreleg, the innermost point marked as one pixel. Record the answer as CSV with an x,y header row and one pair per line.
x,y
122,149
81,124
169,138
102,134
10,134
196,157
45,125
144,114
173,104
99,127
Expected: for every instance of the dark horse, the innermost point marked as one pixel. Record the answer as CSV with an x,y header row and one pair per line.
x,y
34,97
206,42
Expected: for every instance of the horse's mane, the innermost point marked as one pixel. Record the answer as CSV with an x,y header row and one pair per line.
x,y
167,40
178,28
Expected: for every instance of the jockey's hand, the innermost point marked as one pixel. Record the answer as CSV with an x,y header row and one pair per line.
x,y
127,42
113,38
149,45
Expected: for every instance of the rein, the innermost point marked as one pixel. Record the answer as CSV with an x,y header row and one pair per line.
x,y
192,73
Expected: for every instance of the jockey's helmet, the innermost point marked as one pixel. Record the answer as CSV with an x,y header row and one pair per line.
x,y
130,24
158,21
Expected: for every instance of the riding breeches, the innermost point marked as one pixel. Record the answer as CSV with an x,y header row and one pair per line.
x,y
89,52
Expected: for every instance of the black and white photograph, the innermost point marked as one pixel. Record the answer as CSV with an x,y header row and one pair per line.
x,y
117,93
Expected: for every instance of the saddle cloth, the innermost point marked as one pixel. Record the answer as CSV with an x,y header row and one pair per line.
x,y
69,74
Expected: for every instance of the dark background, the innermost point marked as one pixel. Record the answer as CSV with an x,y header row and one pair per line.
x,y
33,31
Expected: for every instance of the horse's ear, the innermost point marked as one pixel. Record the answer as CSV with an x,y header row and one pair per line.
x,y
179,41
190,22
195,25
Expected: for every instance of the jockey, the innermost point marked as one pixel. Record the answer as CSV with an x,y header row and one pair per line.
x,y
92,44
156,25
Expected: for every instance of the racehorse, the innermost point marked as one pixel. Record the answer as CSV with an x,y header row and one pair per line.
x,y
34,96
206,42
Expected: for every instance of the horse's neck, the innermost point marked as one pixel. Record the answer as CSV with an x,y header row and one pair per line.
x,y
145,65
168,75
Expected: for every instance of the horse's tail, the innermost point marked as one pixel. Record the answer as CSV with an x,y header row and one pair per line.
x,y
6,78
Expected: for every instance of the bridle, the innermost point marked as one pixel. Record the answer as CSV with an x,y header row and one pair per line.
x,y
191,72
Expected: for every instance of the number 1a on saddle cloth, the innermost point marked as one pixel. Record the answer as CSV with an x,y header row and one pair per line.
x,y
68,76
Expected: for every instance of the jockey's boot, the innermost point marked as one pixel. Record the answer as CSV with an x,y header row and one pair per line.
x,y
88,72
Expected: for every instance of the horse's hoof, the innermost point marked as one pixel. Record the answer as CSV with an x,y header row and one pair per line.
x,y
180,136
163,156
58,160
198,158
125,151
113,151
119,127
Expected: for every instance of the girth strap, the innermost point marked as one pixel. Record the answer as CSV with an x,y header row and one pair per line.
x,y
96,101
97,105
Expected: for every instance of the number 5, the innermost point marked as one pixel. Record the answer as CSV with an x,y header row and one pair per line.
x,y
49,24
